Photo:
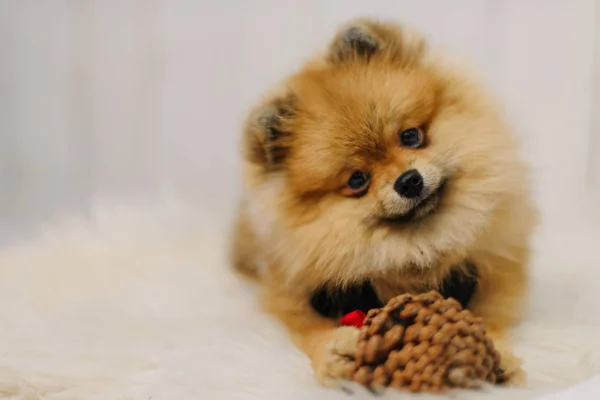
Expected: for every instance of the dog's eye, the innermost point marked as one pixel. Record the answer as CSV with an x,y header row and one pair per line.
x,y
358,183
412,138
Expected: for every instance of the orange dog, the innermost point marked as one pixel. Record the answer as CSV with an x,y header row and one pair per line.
x,y
373,171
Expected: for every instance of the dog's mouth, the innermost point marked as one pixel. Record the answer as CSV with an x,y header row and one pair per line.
x,y
424,208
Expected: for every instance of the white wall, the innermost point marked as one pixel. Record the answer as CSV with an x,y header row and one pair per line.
x,y
594,150
117,97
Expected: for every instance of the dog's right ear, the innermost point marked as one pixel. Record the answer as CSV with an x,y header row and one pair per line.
x,y
269,132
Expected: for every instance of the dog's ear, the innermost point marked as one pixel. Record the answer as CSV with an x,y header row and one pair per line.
x,y
269,132
362,39
354,41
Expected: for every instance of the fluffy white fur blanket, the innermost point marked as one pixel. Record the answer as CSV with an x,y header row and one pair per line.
x,y
138,303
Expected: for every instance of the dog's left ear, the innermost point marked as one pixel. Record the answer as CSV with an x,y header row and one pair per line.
x,y
354,42
363,39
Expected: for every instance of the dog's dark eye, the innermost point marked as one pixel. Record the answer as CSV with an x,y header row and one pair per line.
x,y
358,182
412,138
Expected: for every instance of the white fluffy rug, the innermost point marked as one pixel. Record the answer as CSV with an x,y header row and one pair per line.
x,y
138,303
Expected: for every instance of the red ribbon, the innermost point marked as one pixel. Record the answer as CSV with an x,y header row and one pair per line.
x,y
354,318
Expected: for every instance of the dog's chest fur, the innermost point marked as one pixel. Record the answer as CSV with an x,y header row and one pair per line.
x,y
459,284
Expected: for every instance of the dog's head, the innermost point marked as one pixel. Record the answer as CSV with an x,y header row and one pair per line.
x,y
375,156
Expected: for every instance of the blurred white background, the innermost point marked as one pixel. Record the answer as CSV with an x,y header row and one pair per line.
x,y
116,98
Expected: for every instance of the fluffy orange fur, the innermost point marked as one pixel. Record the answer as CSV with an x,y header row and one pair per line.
x,y
298,228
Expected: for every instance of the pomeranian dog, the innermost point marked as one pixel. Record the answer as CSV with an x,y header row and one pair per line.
x,y
377,170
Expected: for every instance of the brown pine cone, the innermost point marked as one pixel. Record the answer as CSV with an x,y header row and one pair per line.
x,y
424,343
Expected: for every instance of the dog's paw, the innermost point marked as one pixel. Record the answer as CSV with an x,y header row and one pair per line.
x,y
511,365
512,369
335,360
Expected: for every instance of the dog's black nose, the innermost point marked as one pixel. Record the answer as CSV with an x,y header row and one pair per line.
x,y
410,184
